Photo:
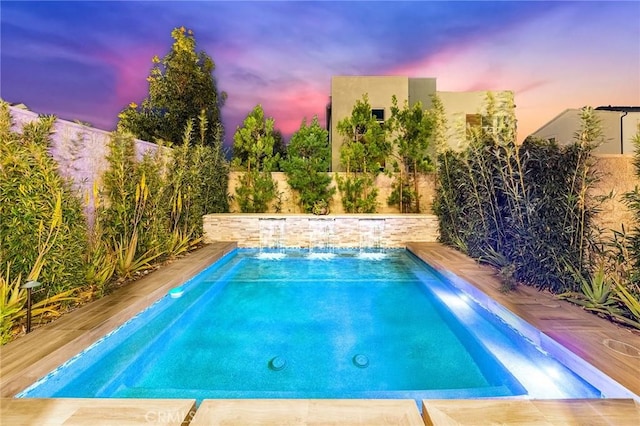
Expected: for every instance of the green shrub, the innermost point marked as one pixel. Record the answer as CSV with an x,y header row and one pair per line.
x,y
152,208
363,155
307,163
133,213
29,186
632,200
197,181
525,205
253,153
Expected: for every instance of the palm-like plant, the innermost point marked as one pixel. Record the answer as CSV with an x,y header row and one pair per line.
x,y
596,292
631,302
13,300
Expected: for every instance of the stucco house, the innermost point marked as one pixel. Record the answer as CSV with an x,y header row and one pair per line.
x,y
460,107
619,126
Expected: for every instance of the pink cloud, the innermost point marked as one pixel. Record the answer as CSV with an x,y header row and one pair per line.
x,y
294,103
545,83
131,67
288,104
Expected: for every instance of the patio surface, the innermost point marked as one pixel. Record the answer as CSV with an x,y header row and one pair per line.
x,y
612,349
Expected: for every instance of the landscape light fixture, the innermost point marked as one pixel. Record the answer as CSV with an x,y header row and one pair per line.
x,y
29,285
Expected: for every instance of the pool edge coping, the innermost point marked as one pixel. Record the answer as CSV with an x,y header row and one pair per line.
x,y
546,342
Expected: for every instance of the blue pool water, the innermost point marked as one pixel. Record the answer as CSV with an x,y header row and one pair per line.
x,y
341,324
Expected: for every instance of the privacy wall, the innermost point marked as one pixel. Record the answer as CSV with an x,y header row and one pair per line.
x,y
80,151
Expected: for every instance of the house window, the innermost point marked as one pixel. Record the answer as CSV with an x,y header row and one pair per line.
x,y
378,114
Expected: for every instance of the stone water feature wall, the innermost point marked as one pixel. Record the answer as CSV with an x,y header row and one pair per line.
x,y
307,231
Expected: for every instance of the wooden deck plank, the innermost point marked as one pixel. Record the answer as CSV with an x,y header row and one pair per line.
x,y
276,412
96,412
568,412
580,331
32,356
479,412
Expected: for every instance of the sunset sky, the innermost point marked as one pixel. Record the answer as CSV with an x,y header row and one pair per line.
x,y
87,60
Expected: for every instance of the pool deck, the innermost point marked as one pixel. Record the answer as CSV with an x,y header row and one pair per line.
x,y
613,349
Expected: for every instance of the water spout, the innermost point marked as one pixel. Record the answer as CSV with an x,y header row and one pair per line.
x,y
272,234
321,235
371,234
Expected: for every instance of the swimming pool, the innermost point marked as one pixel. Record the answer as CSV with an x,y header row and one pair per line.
x,y
337,324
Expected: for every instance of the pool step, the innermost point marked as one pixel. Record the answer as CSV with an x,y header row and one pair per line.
x,y
96,411
531,412
326,412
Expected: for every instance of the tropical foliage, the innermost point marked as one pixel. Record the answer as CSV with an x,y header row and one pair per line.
x,y
527,203
33,195
526,210
147,209
632,199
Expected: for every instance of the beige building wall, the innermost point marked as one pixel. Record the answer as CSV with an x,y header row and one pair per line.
x,y
563,128
346,90
457,106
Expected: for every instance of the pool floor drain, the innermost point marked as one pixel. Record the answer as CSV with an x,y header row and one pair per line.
x,y
360,361
277,363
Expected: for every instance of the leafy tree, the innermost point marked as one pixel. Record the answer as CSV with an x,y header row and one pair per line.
x,y
307,164
181,86
412,128
440,125
253,153
362,154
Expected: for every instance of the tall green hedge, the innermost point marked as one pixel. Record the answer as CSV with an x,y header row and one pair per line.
x,y
29,185
524,208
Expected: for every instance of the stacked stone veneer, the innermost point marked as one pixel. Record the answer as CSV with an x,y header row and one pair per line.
x,y
342,231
